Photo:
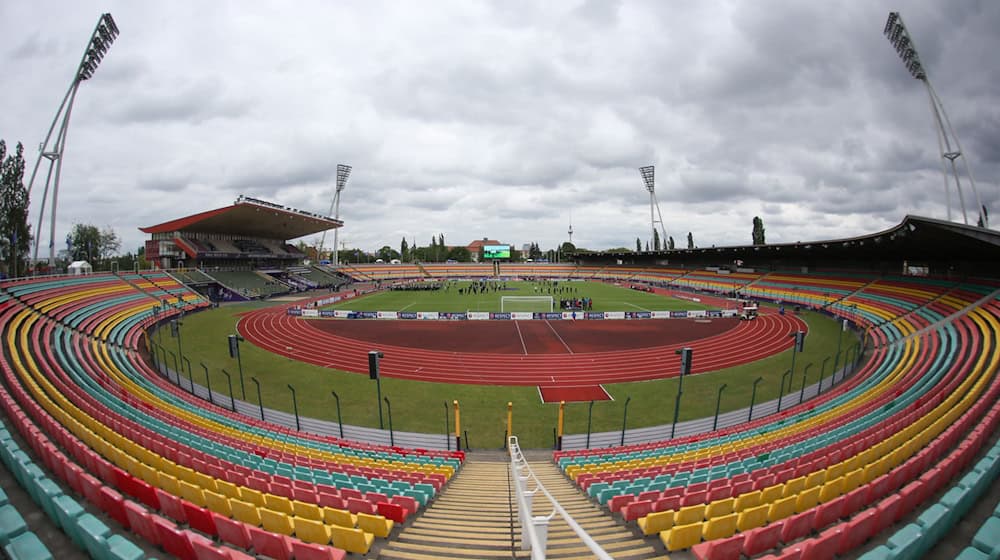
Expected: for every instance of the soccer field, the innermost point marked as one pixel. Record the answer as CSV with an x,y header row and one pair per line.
x,y
455,297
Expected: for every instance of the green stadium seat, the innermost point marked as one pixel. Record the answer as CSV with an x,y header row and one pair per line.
x,y
27,546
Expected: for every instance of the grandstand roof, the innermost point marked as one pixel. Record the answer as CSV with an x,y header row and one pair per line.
x,y
250,217
915,239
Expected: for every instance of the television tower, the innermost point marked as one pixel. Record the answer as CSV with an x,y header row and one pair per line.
x,y
571,228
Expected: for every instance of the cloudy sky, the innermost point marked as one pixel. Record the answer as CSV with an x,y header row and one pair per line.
x,y
504,119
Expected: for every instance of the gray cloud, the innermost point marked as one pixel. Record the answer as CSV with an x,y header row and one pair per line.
x,y
482,119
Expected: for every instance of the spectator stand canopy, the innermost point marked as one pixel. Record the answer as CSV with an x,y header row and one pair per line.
x,y
916,246
251,233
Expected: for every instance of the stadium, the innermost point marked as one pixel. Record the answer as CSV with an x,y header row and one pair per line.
x,y
822,399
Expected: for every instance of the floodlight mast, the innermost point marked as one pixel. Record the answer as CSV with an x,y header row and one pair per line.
x,y
948,145
104,35
647,173
343,172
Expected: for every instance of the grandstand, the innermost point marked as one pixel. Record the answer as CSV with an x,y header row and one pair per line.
x,y
240,251
884,465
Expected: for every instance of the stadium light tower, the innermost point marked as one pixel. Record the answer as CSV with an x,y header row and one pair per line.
x,y
105,33
343,172
895,31
647,178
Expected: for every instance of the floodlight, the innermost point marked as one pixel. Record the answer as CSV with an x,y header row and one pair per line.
x,y
104,34
647,173
948,145
343,173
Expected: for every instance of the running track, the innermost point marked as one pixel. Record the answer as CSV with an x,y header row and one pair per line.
x,y
293,337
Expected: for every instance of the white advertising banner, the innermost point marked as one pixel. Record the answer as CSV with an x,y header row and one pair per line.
x,y
310,313
522,315
479,316
387,315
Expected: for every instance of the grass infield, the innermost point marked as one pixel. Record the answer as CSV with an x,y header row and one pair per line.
x,y
420,406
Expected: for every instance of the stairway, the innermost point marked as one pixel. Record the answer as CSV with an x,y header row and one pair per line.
x,y
475,517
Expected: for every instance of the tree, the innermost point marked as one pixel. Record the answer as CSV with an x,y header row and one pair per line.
x,y
690,241
460,254
567,248
387,253
647,246
670,243
15,232
404,251
638,245
87,243
758,231
984,217
656,240
534,252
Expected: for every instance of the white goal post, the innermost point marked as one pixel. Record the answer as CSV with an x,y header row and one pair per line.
x,y
527,303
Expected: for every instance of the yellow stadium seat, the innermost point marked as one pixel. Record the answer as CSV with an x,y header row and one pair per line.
x,y
853,479
835,471
771,493
255,497
719,508
720,527
690,514
218,503
276,522
148,474
680,537
278,503
375,524
656,522
341,517
794,486
806,499
781,509
228,489
168,483
312,531
753,517
831,489
192,493
245,512
748,500
307,510
351,540
205,481
816,478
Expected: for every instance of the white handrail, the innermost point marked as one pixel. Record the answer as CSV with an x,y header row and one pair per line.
x,y
531,537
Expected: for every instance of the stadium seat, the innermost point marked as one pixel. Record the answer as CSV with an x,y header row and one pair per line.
x,y
351,540
312,531
232,531
26,546
722,549
308,551
276,522
762,539
656,522
720,527
270,544
392,511
339,517
375,524
680,537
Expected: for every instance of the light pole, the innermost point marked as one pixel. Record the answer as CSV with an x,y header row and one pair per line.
x,y
753,397
229,381
628,399
949,146
176,368
234,352
648,179
343,172
339,421
373,373
260,403
781,391
805,372
208,383
590,415
447,427
104,35
718,401
190,375
388,407
686,355
822,370
295,407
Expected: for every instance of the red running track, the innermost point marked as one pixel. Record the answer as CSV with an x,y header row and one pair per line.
x,y
568,358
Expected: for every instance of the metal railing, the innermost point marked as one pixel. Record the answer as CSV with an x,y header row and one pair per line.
x,y
535,528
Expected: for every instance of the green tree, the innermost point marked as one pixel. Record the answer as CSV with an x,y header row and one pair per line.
x,y
87,243
460,254
15,232
404,250
638,245
567,249
984,217
690,241
758,231
534,252
670,243
387,253
656,240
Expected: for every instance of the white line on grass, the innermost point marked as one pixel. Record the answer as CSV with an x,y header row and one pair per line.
x,y
634,305
412,303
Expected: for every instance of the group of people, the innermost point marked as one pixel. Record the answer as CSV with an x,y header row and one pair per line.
x,y
577,304
417,287
482,287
